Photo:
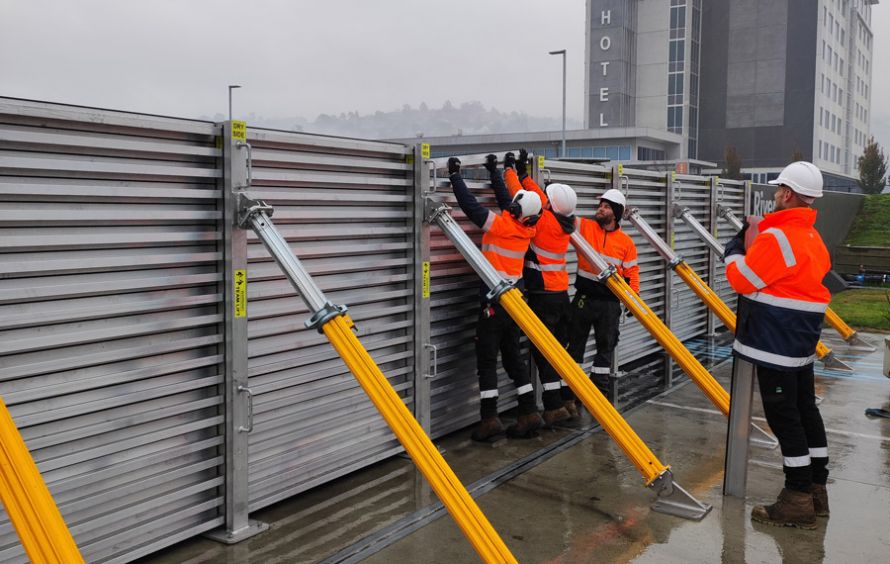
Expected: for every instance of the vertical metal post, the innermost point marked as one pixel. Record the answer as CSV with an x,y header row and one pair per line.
x,y
238,420
739,430
712,259
564,56
668,271
747,199
424,350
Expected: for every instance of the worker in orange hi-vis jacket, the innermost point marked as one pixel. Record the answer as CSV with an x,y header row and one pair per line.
x,y
781,306
546,277
594,304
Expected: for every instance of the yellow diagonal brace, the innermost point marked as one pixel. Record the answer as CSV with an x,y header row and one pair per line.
x,y
839,325
647,318
615,425
28,502
442,479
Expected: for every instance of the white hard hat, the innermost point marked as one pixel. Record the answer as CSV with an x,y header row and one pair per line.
x,y
802,177
562,198
525,204
614,196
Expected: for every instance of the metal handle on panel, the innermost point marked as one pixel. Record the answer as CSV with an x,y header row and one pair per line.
x,y
249,428
435,364
432,189
243,145
546,172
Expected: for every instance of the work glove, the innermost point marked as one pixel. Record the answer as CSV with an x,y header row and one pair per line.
x,y
491,164
453,165
735,246
522,163
509,161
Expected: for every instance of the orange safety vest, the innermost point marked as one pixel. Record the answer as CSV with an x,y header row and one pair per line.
x,y
616,247
505,242
782,300
545,263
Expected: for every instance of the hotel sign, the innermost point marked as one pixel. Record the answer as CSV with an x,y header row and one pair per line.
x,y
609,98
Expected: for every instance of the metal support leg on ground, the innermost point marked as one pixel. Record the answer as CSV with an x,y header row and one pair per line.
x,y
238,424
737,436
825,355
657,475
337,326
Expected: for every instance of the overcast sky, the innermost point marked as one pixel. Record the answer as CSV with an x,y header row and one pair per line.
x,y
302,58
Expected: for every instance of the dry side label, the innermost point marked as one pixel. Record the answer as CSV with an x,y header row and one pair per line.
x,y
240,283
239,130
426,279
425,150
540,161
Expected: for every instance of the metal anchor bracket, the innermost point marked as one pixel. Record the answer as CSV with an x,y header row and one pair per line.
x,y
834,363
325,314
432,209
762,439
605,273
248,207
498,290
857,342
674,500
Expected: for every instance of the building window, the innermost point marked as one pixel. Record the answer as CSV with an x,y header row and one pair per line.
x,y
647,154
675,119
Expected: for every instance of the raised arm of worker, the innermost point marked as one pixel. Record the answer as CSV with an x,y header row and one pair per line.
x,y
465,199
497,182
517,178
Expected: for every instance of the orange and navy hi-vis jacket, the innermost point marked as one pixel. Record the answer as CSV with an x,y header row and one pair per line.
x,y
617,248
545,262
505,242
782,300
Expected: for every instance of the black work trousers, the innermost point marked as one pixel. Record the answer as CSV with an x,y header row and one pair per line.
x,y
603,315
552,308
789,402
497,332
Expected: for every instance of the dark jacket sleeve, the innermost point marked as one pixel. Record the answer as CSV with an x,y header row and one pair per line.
x,y
467,202
500,190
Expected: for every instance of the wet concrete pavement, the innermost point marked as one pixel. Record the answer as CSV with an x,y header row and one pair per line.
x,y
581,500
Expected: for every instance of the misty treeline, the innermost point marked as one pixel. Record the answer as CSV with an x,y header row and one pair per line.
x,y
469,118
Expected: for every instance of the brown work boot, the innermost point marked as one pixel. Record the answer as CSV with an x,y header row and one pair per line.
x,y
791,509
554,416
820,500
526,426
572,408
489,430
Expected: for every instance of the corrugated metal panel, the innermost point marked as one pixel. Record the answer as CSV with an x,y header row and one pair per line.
x,y
454,310
647,192
689,314
346,207
110,321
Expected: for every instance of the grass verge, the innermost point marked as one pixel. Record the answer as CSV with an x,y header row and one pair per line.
x,y
872,225
864,309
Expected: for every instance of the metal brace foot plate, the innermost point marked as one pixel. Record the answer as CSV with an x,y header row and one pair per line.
x,y
857,342
232,537
831,361
674,500
762,439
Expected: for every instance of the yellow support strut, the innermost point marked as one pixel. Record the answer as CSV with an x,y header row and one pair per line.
x,y
28,502
615,425
337,327
444,482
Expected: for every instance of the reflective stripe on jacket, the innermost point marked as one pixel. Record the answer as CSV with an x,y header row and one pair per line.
x,y
545,263
782,299
616,247
505,243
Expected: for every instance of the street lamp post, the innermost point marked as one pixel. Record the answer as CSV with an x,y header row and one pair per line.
x,y
231,87
563,53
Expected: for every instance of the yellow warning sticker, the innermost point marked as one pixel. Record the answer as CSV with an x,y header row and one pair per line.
x,y
673,175
426,279
239,130
540,161
240,283
620,169
425,150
